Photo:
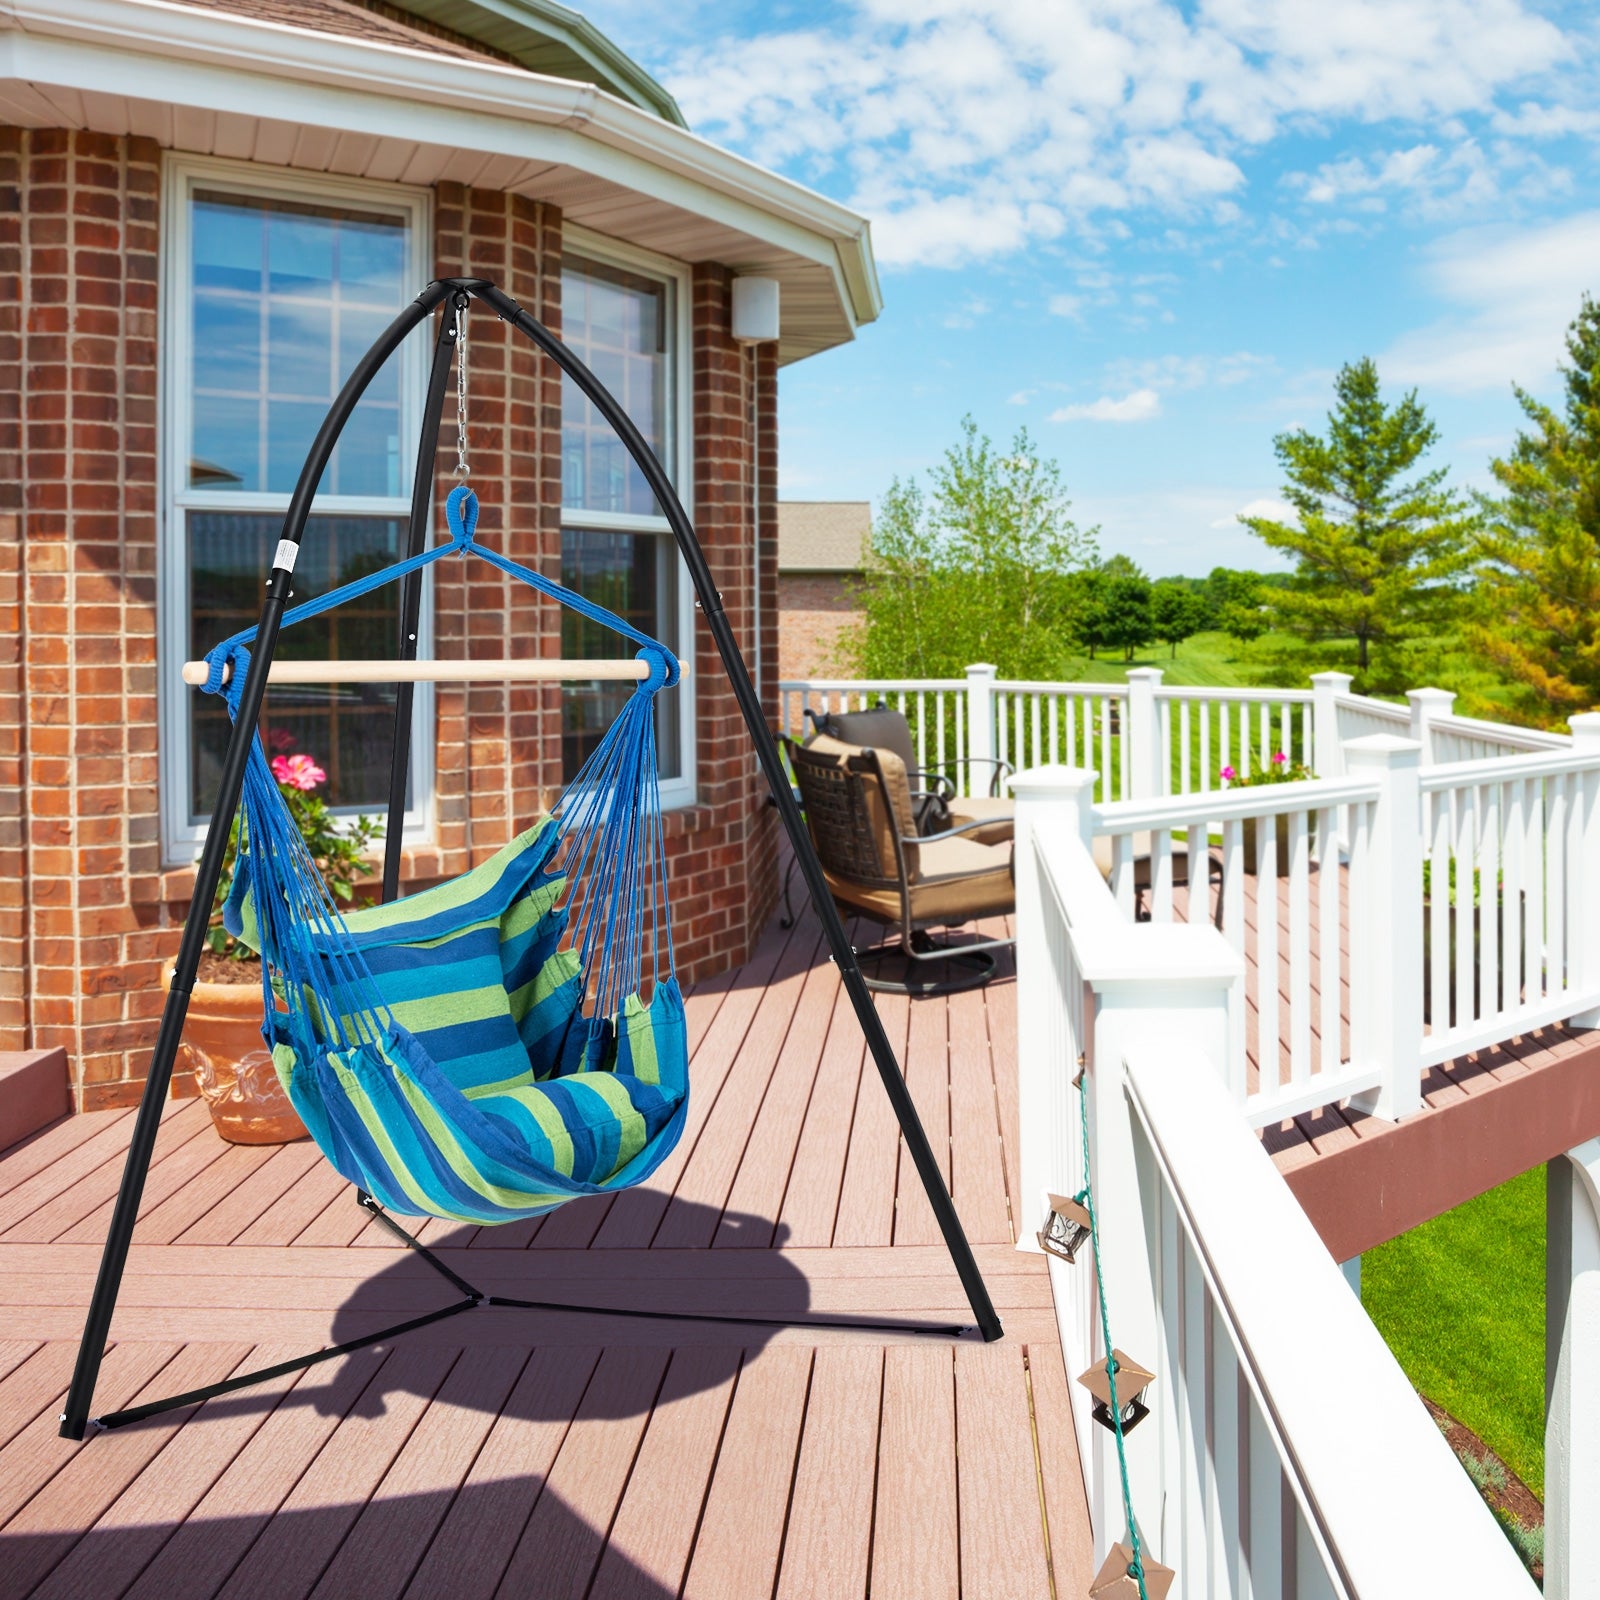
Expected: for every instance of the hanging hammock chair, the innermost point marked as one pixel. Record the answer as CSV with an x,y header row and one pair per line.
x,y
481,1051
513,1039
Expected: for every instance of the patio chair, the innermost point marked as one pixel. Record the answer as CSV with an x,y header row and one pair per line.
x,y
877,865
935,804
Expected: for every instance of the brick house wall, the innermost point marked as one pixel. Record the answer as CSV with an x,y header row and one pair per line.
x,y
87,913
816,613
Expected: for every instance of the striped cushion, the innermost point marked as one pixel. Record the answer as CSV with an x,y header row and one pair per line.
x,y
484,1104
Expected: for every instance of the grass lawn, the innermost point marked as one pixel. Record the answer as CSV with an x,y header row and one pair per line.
x,y
1460,1301
1207,661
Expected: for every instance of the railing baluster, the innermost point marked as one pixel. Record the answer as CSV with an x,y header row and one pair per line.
x,y
1183,749
1208,778
1105,749
1122,873
1268,977
1439,917
1531,871
1464,907
1038,746
1489,898
1161,875
1555,911
1329,963
1233,930
1299,949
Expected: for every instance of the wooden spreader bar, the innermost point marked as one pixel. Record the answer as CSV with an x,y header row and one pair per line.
x,y
628,670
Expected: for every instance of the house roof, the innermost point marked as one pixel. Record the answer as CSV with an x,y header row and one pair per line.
x,y
539,35
383,24
823,535
289,90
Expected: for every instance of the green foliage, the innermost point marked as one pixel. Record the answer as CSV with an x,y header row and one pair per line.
x,y
1114,609
1234,601
1460,1302
1538,619
337,846
1280,767
1378,554
981,567
1178,611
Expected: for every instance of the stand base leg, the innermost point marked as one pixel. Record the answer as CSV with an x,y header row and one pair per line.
x,y
473,1299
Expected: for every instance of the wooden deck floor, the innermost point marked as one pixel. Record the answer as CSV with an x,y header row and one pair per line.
x,y
513,1453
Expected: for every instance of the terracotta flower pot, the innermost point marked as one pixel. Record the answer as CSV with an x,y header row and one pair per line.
x,y
223,1047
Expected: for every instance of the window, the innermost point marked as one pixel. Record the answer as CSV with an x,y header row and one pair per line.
x,y
622,315
275,287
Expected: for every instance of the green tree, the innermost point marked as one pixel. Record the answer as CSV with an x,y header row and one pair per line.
x,y
1538,618
1235,605
1378,554
980,567
1178,611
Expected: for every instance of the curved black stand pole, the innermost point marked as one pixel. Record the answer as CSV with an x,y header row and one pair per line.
x,y
208,871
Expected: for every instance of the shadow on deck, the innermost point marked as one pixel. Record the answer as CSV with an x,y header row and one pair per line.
x,y
514,1453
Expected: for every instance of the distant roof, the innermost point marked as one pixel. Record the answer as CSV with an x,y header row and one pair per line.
x,y
541,35
823,535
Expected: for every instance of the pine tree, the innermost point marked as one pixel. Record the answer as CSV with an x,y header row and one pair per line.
x,y
1378,554
1539,615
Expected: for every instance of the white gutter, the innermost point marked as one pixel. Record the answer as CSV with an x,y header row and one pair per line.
x,y
266,69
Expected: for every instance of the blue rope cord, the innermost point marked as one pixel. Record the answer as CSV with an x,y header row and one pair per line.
x,y
610,815
1085,1198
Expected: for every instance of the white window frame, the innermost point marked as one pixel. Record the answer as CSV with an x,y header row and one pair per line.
x,y
181,837
598,247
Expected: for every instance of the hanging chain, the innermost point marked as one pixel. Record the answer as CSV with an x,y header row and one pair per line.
x,y
463,471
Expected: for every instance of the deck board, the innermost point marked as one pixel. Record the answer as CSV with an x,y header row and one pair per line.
x,y
597,1456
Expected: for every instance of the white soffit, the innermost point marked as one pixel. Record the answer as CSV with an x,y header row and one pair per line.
x,y
211,83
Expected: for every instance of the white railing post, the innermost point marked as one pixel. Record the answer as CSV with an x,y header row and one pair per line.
x,y
1386,950
1055,803
980,727
1583,875
1572,1375
1327,754
1426,705
1143,733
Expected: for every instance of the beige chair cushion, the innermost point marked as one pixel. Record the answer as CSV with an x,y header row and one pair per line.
x,y
960,880
899,819
997,815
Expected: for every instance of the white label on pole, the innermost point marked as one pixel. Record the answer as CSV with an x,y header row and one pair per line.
x,y
284,557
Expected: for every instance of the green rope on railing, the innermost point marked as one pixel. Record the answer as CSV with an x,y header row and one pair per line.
x,y
1085,1197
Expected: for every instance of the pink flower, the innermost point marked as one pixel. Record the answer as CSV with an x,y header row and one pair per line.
x,y
1279,759
1229,774
280,741
298,772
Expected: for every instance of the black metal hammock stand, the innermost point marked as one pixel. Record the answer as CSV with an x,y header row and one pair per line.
x,y
243,746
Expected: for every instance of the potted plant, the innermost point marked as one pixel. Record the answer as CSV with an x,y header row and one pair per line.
x,y
223,1047
1278,769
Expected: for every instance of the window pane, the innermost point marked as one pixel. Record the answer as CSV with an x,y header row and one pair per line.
x,y
347,728
635,575
616,322
286,298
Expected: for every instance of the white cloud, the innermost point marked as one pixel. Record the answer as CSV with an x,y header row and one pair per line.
x,y
1514,290
1265,506
969,129
1021,398
1066,305
1139,405
1174,372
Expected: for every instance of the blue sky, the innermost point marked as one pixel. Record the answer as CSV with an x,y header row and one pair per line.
x,y
1151,232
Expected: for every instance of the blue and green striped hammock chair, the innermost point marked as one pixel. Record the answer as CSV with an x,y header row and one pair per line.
x,y
481,1051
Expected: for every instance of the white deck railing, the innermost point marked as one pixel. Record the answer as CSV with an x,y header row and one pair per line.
x,y
1146,738
1285,1453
